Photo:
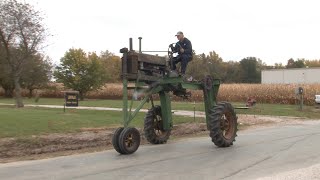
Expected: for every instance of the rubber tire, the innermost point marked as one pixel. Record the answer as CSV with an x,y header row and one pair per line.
x,y
115,139
123,148
215,125
149,132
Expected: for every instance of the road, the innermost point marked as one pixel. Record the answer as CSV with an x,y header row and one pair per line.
x,y
257,153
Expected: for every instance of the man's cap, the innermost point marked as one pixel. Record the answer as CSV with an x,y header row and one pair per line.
x,y
179,33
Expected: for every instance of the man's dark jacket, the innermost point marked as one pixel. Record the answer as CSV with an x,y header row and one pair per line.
x,y
186,45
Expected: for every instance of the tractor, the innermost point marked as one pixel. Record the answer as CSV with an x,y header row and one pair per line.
x,y
149,75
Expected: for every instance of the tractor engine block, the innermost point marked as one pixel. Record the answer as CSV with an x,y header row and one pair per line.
x,y
143,67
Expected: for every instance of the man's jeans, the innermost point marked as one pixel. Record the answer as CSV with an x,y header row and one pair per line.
x,y
184,59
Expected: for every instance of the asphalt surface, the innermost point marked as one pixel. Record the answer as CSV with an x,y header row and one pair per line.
x,y
276,153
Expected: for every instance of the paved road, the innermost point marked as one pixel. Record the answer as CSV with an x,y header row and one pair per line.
x,y
257,153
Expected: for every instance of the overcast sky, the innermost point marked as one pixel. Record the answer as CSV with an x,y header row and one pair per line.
x,y
272,30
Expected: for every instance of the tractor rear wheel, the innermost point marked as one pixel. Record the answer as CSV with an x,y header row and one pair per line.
x,y
153,127
223,124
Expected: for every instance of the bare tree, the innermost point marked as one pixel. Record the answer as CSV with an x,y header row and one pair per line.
x,y
21,35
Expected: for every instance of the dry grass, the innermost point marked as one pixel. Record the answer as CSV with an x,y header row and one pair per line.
x,y
263,93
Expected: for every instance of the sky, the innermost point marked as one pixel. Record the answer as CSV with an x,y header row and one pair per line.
x,y
272,30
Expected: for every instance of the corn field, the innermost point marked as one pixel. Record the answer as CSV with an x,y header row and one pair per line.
x,y
263,93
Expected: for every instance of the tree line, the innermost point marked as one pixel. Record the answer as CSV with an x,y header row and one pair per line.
x,y
247,70
299,63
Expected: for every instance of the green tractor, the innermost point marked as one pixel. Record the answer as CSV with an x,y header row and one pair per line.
x,y
150,74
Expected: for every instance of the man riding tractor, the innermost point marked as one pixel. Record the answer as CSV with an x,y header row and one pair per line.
x,y
184,49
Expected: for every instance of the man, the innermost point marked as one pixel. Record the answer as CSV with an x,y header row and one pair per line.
x,y
184,49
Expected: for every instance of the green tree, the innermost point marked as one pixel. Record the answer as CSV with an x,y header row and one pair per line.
x,y
278,66
37,73
249,70
232,72
196,68
21,34
81,72
299,63
202,65
6,81
215,65
112,64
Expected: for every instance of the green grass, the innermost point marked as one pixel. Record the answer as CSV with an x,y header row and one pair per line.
x,y
35,121
259,109
282,110
60,101
99,103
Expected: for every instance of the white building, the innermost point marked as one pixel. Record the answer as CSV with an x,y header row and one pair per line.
x,y
291,76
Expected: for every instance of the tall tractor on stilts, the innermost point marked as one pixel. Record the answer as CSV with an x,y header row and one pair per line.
x,y
151,74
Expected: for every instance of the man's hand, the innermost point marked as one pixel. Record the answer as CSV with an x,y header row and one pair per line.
x,y
181,50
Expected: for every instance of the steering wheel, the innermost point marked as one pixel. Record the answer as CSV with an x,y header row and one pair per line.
x,y
173,48
170,50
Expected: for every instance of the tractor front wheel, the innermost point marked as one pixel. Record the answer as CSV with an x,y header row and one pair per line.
x,y
115,139
153,127
129,140
223,124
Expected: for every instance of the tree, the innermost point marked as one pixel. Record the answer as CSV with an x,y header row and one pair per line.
x,y
198,67
37,73
21,34
249,70
203,65
6,81
80,71
215,65
112,64
278,66
290,63
299,63
312,63
232,72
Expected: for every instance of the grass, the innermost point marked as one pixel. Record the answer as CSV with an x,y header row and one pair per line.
x,y
283,110
259,109
35,121
60,101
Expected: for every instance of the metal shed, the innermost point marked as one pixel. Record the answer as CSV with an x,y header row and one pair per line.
x,y
291,76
